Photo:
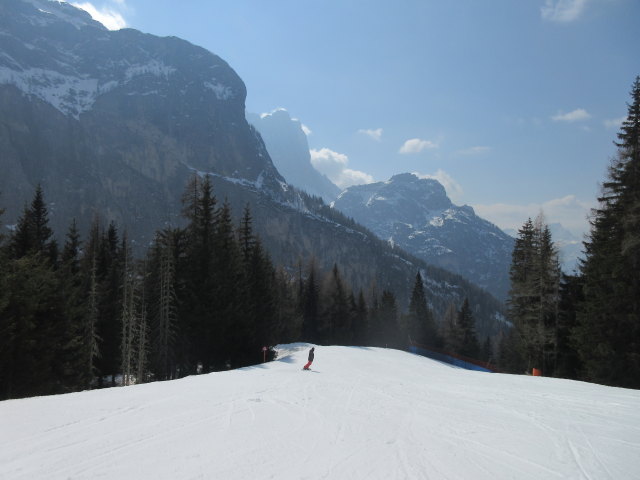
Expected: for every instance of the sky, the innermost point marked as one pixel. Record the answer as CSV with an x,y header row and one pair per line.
x,y
359,414
513,105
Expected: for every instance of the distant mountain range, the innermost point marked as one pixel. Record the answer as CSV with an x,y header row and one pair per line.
x,y
413,214
114,123
416,215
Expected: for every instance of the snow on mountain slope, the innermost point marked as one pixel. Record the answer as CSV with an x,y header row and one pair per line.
x,y
416,214
55,52
361,413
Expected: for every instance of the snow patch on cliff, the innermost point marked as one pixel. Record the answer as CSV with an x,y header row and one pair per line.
x,y
71,95
74,94
152,67
222,92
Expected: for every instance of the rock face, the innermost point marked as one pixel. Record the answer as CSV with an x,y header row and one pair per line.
x,y
107,120
289,149
416,215
114,123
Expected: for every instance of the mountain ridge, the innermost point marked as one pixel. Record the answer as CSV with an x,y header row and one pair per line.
x,y
127,154
125,113
417,215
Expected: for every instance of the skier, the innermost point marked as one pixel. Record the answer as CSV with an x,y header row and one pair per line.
x,y
306,367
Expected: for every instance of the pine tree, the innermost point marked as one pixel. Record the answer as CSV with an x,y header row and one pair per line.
x,y
608,331
33,322
257,313
548,284
197,297
108,275
361,321
76,372
246,238
191,200
163,305
142,342
571,295
232,334
389,321
127,315
90,338
451,331
336,314
534,296
421,326
375,331
30,330
265,299
91,278
288,316
32,234
310,306
466,324
521,303
510,352
134,338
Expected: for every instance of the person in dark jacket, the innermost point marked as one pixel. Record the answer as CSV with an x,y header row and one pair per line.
x,y
306,367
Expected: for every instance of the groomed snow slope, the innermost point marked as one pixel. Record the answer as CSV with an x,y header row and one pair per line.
x,y
362,413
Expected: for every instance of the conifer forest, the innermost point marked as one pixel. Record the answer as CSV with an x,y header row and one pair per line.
x,y
584,326
87,313
204,298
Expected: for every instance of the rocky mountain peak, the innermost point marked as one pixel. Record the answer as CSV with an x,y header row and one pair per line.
x,y
47,13
429,193
404,198
289,149
57,53
417,215
54,53
109,119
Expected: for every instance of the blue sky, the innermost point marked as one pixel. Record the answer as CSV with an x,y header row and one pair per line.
x,y
512,104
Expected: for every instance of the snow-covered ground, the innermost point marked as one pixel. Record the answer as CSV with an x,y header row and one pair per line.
x,y
361,413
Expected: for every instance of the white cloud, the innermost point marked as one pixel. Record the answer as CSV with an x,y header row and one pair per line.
x,y
334,165
562,11
614,122
454,189
374,134
416,145
474,150
576,115
568,210
107,16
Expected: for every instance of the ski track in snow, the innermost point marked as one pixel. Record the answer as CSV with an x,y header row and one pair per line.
x,y
364,413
